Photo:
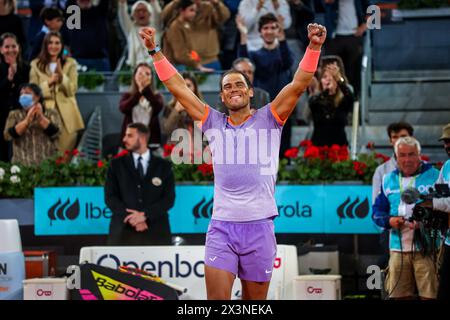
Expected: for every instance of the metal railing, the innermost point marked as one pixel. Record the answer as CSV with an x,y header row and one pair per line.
x,y
355,130
361,108
91,142
366,77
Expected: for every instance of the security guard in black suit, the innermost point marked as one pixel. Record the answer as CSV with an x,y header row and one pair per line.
x,y
139,190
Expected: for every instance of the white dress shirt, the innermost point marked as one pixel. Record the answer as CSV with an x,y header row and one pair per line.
x,y
145,160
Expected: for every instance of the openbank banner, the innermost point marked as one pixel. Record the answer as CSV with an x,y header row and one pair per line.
x,y
302,209
184,266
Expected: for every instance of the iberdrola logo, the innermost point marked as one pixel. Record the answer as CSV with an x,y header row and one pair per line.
x,y
63,211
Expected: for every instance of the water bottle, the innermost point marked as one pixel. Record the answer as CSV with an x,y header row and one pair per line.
x,y
12,261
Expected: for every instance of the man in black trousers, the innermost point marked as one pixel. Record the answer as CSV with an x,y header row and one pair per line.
x,y
139,190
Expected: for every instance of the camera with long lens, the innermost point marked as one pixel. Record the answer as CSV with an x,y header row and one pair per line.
x,y
431,219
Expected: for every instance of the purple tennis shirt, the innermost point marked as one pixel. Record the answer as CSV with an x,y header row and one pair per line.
x,y
245,163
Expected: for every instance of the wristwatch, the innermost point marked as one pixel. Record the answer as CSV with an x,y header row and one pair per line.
x,y
154,51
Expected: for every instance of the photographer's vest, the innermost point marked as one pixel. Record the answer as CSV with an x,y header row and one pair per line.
x,y
392,190
445,177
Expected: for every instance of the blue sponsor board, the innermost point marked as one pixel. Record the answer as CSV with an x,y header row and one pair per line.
x,y
192,209
70,211
302,209
348,209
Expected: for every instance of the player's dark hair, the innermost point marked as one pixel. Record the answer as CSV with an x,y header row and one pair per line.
x,y
231,71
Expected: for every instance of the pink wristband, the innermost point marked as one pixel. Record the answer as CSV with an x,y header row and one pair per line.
x,y
164,69
310,60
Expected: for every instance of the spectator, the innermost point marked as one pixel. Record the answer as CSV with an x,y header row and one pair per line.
x,y
260,96
143,14
330,107
178,39
345,21
395,131
53,20
229,39
174,115
411,262
139,190
116,39
305,116
273,62
58,77
33,128
302,13
10,22
36,7
89,45
13,73
252,10
210,16
142,103
332,59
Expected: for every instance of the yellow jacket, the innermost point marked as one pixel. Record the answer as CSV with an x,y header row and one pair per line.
x,y
62,95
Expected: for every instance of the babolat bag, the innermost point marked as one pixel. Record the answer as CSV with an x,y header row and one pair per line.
x,y
102,283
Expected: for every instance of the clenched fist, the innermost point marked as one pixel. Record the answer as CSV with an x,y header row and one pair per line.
x,y
148,37
317,35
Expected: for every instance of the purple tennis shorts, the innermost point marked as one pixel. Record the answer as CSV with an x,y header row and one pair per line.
x,y
246,249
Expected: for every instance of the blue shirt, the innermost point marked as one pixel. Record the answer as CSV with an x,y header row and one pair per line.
x,y
388,201
273,67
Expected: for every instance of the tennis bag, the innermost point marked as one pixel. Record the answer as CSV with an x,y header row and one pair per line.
x,y
102,283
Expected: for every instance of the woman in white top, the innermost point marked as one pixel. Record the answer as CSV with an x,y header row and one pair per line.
x,y
142,103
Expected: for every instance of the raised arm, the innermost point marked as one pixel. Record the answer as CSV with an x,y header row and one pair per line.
x,y
168,13
155,21
250,13
285,102
172,79
220,13
124,18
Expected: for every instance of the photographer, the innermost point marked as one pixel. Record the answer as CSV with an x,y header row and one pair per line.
x,y
443,205
395,131
410,263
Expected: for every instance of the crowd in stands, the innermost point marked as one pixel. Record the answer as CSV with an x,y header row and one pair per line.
x,y
265,39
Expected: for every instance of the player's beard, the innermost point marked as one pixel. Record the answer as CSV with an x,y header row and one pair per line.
x,y
448,151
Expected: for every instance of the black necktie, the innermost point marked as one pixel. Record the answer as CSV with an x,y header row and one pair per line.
x,y
140,168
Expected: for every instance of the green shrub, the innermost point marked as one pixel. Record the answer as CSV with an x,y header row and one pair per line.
x,y
90,80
